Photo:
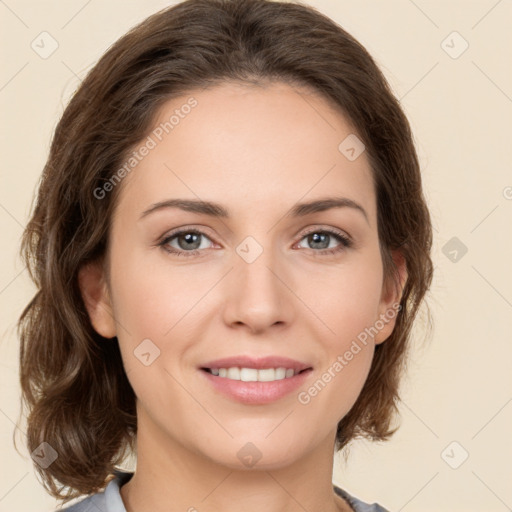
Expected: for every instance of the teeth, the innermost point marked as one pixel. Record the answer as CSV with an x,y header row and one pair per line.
x,y
267,375
233,373
245,374
252,374
280,373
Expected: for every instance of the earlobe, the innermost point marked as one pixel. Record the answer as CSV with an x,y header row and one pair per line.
x,y
390,301
96,297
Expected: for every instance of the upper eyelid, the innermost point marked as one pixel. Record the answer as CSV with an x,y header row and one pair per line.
x,y
179,231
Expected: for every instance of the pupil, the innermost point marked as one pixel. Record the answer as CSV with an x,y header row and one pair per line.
x,y
191,238
315,237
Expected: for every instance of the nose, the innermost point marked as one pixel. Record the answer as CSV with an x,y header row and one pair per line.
x,y
258,294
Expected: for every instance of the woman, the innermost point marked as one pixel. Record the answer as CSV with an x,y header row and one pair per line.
x,y
230,245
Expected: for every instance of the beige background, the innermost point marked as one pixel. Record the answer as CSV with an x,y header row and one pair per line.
x,y
459,386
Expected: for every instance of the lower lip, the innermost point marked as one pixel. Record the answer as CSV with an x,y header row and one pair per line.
x,y
256,393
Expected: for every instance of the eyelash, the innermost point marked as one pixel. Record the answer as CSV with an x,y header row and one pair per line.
x,y
345,242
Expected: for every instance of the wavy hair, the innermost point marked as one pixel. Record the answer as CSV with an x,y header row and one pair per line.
x,y
73,383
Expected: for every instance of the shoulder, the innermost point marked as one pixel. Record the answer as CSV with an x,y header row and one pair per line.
x,y
108,500
357,504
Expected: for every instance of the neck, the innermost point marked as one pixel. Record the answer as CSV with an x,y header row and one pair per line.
x,y
168,473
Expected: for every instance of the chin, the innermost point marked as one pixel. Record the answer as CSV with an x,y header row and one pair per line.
x,y
256,455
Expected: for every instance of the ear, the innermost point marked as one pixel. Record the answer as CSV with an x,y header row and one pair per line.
x,y
389,307
94,290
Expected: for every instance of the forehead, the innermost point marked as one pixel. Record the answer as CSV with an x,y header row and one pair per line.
x,y
248,146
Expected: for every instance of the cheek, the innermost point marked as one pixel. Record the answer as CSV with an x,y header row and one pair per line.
x,y
346,300
347,297
159,311
151,297
338,383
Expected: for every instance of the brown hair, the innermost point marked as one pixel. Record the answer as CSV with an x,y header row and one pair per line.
x,y
73,381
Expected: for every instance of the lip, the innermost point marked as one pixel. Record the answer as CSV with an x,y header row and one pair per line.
x,y
256,393
257,363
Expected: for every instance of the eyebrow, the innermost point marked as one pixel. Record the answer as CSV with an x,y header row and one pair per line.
x,y
216,210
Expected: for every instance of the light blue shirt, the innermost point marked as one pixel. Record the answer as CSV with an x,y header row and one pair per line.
x,y
110,500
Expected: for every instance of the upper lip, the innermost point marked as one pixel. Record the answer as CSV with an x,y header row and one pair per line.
x,y
257,362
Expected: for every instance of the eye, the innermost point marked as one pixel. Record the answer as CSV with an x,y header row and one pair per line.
x,y
187,240
321,239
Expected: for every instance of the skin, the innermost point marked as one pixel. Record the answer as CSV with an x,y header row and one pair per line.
x,y
257,150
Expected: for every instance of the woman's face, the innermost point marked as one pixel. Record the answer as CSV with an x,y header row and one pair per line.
x,y
266,271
